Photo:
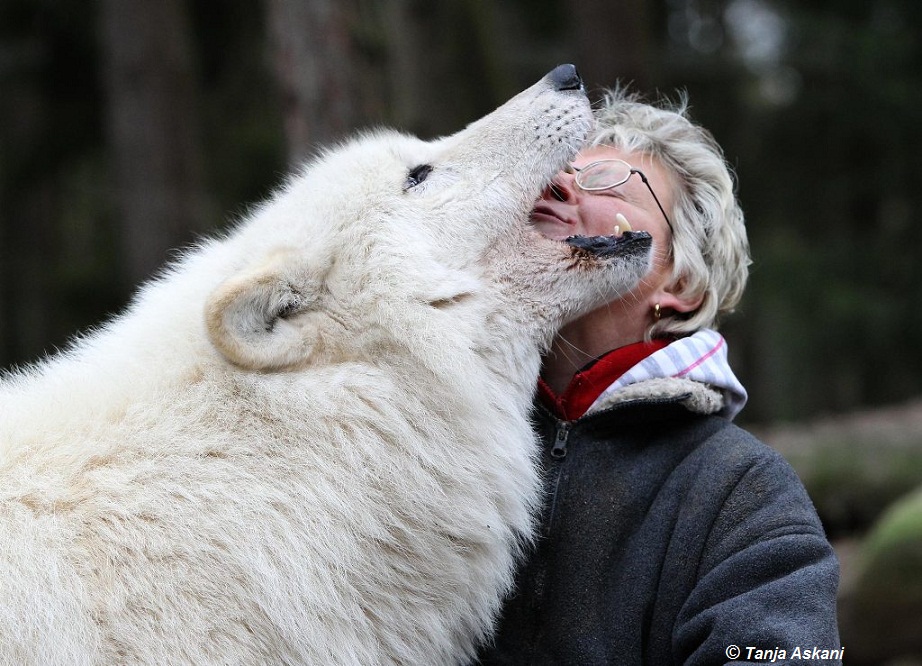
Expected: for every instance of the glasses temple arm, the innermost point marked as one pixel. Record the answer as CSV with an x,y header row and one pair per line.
x,y
655,198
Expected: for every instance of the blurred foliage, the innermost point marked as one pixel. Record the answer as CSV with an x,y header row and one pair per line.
x,y
816,104
836,177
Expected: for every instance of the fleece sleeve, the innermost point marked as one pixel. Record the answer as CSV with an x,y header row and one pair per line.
x,y
767,580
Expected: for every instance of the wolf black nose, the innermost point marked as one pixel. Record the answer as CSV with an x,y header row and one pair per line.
x,y
565,77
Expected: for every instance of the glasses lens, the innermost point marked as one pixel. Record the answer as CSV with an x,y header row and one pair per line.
x,y
603,175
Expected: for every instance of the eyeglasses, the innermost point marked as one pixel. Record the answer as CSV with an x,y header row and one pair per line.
x,y
606,174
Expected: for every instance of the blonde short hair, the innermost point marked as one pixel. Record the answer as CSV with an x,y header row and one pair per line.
x,y
710,249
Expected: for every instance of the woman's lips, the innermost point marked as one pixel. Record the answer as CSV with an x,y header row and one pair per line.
x,y
544,214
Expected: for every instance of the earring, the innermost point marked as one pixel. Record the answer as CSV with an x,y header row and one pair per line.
x,y
657,312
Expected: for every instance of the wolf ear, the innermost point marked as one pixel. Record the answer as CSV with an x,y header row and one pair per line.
x,y
265,318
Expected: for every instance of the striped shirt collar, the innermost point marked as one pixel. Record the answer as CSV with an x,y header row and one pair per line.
x,y
700,357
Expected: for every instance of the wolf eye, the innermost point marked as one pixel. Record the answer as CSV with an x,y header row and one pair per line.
x,y
417,175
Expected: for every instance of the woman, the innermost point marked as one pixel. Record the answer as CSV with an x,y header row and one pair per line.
x,y
670,536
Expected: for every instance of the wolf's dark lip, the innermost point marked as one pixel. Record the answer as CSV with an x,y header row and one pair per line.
x,y
606,246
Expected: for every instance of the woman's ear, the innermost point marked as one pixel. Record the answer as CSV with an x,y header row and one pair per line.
x,y
672,297
265,318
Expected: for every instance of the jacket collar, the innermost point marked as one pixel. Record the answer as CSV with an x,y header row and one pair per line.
x,y
696,365
587,384
692,371
695,396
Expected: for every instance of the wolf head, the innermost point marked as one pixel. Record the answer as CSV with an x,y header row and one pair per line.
x,y
375,233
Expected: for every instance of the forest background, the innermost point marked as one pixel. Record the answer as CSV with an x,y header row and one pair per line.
x,y
128,128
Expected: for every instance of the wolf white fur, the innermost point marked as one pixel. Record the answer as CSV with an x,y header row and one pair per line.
x,y
307,442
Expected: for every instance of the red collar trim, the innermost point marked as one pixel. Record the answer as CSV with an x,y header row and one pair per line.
x,y
588,383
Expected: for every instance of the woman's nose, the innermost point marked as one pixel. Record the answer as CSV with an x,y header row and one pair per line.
x,y
562,188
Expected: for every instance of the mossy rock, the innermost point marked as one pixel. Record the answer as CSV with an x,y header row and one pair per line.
x,y
854,466
881,610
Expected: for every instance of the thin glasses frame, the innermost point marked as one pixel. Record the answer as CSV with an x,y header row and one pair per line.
x,y
631,171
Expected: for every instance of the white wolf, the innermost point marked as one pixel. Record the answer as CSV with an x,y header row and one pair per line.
x,y
308,441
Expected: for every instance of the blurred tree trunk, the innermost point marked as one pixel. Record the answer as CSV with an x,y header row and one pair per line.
x,y
407,78
613,41
27,310
152,129
6,281
30,206
443,63
324,55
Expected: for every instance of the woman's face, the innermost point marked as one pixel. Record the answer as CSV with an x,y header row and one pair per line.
x,y
566,210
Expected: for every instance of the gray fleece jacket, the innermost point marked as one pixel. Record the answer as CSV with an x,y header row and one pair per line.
x,y
669,536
